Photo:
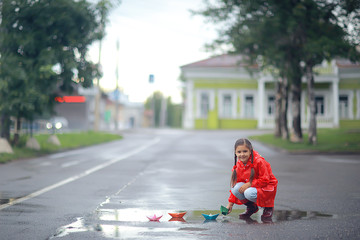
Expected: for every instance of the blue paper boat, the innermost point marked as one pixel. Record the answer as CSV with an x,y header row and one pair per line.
x,y
210,216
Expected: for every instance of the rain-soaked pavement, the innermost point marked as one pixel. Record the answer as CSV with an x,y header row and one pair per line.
x,y
113,219
108,191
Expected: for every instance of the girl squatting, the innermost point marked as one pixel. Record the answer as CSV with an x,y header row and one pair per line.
x,y
252,182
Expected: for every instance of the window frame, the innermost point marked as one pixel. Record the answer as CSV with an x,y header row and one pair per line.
x,y
350,96
243,95
199,93
221,95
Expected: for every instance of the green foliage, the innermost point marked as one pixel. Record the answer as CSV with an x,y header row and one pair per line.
x,y
35,37
174,114
283,33
173,111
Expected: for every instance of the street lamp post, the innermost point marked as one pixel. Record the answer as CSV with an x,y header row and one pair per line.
x,y
151,81
97,96
117,92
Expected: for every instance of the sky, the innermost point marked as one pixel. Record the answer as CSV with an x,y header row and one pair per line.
x,y
155,37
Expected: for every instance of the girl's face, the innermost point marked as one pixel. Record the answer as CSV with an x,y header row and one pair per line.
x,y
242,153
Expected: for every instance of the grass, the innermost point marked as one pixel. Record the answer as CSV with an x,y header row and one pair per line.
x,y
329,141
67,140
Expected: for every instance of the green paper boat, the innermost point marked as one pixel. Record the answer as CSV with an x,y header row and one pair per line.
x,y
224,210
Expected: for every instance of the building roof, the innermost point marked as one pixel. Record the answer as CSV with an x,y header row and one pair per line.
x,y
230,61
221,61
345,63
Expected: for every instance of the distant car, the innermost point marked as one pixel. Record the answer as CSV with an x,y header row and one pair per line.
x,y
57,123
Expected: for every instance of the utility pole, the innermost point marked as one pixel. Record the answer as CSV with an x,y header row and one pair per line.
x,y
163,112
151,81
117,92
97,96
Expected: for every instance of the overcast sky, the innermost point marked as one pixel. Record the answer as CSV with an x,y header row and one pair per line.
x,y
155,37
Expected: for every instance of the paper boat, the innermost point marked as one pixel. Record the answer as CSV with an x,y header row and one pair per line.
x,y
154,218
210,216
177,215
224,210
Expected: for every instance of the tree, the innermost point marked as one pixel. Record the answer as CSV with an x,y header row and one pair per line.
x,y
172,115
286,34
37,37
322,38
265,29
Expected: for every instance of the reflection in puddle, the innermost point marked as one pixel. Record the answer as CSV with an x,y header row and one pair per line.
x,y
77,226
128,232
132,223
288,215
129,215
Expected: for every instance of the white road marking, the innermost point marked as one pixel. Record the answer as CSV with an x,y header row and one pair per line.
x,y
43,164
64,154
72,163
83,174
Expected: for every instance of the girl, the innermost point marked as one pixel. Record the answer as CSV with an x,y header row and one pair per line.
x,y
252,182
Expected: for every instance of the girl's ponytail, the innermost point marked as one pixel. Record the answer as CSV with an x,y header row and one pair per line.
x,y
233,175
252,173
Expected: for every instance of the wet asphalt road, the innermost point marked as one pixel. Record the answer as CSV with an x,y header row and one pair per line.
x,y
107,191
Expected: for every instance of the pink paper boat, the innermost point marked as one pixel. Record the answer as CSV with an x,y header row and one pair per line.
x,y
154,218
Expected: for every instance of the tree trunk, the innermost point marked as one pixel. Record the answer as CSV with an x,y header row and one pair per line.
x,y
284,108
311,103
31,128
5,126
278,98
17,131
296,109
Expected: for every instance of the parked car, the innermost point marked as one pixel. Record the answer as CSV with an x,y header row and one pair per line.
x,y
57,123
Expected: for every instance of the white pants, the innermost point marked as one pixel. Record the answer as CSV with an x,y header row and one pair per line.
x,y
249,194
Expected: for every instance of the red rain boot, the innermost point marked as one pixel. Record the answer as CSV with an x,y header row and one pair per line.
x,y
267,215
250,210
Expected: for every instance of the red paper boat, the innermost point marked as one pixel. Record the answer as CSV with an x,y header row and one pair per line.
x,y
177,215
154,218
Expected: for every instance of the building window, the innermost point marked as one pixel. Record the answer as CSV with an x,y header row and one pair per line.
x,y
271,105
319,105
344,106
227,106
249,106
204,104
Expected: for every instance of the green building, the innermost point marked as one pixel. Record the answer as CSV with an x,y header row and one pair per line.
x,y
221,94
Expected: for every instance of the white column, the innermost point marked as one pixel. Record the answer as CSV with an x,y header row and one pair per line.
x,y
335,91
189,108
261,94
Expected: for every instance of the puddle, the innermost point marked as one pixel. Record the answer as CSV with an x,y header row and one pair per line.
x,y
132,223
7,200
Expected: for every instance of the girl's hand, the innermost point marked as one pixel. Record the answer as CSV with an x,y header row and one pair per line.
x,y
229,207
244,187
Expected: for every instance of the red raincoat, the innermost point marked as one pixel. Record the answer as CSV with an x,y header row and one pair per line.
x,y
264,180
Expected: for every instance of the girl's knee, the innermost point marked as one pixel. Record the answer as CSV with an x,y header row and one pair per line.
x,y
250,194
235,191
